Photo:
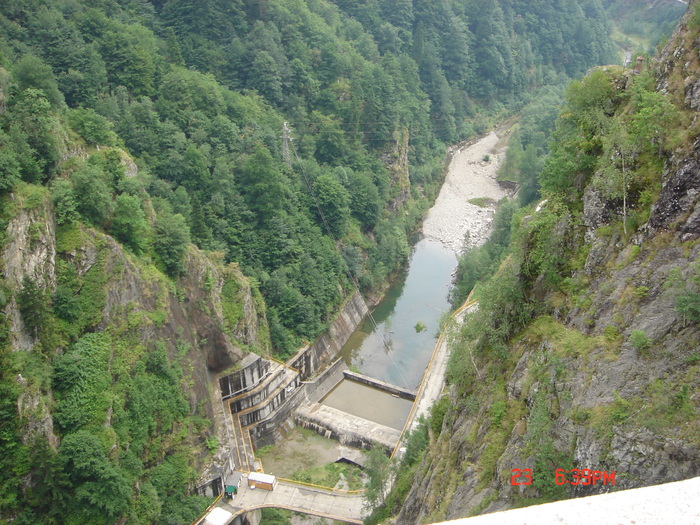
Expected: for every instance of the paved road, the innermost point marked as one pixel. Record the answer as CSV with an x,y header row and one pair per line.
x,y
300,498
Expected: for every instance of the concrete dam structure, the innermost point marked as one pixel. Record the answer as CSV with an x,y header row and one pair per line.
x,y
265,399
349,426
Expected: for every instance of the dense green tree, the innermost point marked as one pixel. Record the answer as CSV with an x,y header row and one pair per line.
x,y
171,238
30,164
199,226
215,19
81,380
183,92
99,485
529,166
64,202
653,117
92,194
331,144
31,72
262,184
129,59
94,128
195,173
333,201
399,13
378,473
82,86
34,306
129,223
33,132
10,168
366,204
392,247
578,134
266,77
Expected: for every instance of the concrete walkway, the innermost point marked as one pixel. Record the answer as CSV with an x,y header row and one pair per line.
x,y
299,498
434,377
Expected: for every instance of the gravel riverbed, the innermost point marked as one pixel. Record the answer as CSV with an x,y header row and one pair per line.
x,y
471,175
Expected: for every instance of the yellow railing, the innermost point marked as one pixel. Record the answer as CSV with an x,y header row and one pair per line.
x,y
208,509
286,365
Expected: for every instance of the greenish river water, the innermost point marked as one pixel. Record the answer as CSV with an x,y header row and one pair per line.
x,y
393,351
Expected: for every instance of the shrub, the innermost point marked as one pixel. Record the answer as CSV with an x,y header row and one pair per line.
x,y
639,340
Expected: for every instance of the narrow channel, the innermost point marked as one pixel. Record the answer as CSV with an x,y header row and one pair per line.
x,y
407,320
396,343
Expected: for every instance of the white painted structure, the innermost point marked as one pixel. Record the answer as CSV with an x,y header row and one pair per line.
x,y
217,516
670,503
259,480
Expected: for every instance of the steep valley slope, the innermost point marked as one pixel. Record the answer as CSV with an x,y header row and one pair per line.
x,y
599,367
136,356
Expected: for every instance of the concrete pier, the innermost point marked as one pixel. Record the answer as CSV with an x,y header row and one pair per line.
x,y
348,429
403,393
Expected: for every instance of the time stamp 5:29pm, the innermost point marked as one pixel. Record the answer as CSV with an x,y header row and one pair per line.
x,y
523,476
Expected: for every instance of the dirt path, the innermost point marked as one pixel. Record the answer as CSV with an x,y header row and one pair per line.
x,y
471,175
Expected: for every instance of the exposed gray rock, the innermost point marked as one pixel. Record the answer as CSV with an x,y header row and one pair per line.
x,y
30,251
594,212
680,194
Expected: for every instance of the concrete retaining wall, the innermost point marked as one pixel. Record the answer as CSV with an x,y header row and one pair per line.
x,y
272,403
270,430
322,351
253,371
381,385
327,381
252,398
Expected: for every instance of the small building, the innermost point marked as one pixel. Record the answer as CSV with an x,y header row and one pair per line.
x,y
261,481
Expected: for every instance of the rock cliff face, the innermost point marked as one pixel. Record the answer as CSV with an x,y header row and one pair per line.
x,y
397,163
30,252
610,384
205,321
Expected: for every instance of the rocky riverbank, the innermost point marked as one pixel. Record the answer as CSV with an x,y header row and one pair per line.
x,y
471,177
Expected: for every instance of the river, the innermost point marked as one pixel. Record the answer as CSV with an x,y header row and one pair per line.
x,y
394,350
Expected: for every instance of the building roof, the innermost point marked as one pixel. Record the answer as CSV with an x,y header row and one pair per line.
x,y
217,516
262,478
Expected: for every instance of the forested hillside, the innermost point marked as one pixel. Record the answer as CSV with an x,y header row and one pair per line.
x,y
584,351
154,228
648,22
196,93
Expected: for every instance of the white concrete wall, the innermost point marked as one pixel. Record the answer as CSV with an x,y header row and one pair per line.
x,y
670,503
